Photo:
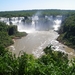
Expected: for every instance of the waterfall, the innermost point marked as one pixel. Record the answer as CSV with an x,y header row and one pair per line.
x,y
34,23
57,23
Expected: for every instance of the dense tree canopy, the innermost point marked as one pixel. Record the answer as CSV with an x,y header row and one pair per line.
x,y
68,31
6,32
33,12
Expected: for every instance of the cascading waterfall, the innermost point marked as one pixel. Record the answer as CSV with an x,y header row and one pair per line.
x,y
35,23
57,23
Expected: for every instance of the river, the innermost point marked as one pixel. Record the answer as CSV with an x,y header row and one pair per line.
x,y
35,42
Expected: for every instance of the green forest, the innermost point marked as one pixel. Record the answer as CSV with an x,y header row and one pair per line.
x,y
7,33
51,63
67,31
33,12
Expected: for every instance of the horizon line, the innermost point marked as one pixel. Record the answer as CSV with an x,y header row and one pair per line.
x,y
36,10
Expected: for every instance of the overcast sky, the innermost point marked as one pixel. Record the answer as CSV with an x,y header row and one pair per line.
x,y
8,5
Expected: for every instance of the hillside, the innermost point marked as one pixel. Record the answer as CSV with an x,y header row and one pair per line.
x,y
7,33
67,31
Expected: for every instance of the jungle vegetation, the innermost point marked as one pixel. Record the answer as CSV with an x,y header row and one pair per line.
x,y
7,33
67,31
51,63
27,13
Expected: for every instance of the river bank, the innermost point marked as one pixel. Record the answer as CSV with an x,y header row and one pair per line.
x,y
65,42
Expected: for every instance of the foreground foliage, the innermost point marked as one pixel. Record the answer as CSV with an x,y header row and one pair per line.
x,y
52,63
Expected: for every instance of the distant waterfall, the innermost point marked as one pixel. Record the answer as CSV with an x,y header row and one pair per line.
x,y
57,22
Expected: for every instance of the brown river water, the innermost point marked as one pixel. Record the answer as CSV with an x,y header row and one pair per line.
x,y
36,41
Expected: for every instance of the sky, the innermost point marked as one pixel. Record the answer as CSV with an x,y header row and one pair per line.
x,y
12,5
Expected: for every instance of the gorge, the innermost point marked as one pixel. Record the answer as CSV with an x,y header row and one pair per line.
x,y
42,32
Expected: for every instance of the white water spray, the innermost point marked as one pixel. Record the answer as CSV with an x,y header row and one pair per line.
x,y
57,23
36,23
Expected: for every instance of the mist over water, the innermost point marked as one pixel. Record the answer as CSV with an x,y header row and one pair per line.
x,y
37,22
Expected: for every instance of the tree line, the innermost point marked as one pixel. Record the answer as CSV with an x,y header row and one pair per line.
x,y
23,13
